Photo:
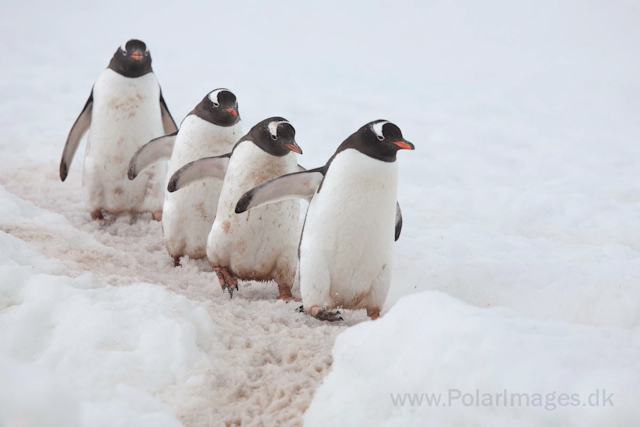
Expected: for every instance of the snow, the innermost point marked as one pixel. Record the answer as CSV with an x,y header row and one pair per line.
x,y
59,331
432,343
136,341
519,261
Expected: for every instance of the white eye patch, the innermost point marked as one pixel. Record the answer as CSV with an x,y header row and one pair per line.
x,y
273,127
124,46
213,96
377,128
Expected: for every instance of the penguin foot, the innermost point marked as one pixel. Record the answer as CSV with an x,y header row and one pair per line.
x,y
157,215
373,313
301,310
227,281
289,298
176,261
285,293
98,216
321,313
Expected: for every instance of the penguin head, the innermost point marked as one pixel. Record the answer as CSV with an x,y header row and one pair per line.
x,y
219,107
132,59
381,140
276,136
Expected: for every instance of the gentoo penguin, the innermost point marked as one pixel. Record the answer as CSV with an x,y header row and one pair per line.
x,y
258,245
211,129
346,245
124,111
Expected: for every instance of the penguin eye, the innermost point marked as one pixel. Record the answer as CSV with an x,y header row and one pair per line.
x,y
124,53
215,104
274,137
381,138
146,53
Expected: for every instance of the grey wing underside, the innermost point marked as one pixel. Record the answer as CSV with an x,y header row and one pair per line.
x,y
78,130
298,185
198,170
398,221
168,123
154,151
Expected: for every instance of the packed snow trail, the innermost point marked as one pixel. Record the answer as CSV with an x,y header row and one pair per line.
x,y
262,361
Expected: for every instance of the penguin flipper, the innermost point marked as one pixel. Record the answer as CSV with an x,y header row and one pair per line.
x,y
297,185
208,167
76,133
168,123
152,152
398,221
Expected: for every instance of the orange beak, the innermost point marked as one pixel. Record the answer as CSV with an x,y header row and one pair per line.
x,y
137,56
405,145
294,147
232,111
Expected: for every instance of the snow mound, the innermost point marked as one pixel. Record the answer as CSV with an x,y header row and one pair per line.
x,y
74,351
12,207
431,343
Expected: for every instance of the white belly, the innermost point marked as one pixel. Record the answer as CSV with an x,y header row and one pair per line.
x,y
126,115
347,242
259,244
188,214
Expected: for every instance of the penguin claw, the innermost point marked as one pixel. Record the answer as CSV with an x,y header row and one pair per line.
x,y
321,313
230,289
227,281
328,316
